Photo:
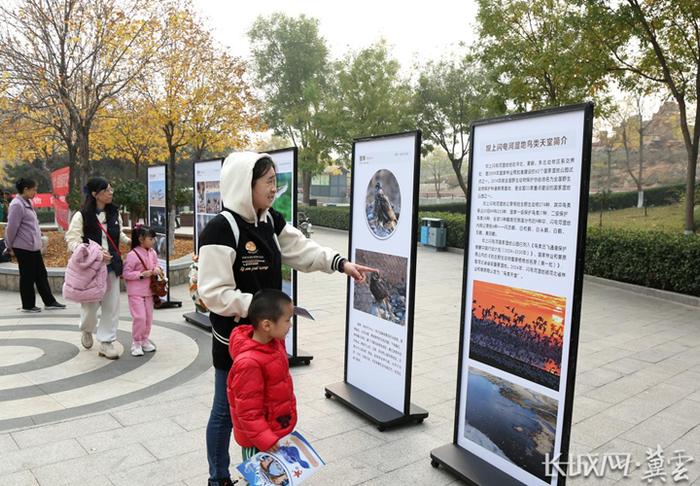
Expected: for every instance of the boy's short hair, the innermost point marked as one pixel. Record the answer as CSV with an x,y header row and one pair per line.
x,y
267,304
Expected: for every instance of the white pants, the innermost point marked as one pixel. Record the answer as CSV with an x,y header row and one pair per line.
x,y
109,318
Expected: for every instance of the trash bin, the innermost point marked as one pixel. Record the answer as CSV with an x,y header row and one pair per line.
x,y
433,232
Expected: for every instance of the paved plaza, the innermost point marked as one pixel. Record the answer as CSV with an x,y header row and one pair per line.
x,y
68,417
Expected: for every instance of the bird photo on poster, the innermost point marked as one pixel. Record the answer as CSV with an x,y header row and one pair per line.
x,y
383,294
383,204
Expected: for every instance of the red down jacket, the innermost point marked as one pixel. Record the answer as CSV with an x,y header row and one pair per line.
x,y
260,391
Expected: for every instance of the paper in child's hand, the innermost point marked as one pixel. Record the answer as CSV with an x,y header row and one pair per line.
x,y
293,463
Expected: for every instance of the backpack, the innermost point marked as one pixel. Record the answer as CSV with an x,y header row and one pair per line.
x,y
194,268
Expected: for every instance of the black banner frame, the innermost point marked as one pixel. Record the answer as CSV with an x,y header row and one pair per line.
x,y
459,461
167,303
376,411
297,357
197,318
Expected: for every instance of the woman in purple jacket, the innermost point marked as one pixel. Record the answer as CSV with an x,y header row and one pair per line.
x,y
23,238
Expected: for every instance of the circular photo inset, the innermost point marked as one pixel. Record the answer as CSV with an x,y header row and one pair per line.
x,y
383,204
271,471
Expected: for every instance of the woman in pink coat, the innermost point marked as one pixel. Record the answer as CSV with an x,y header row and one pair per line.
x,y
141,263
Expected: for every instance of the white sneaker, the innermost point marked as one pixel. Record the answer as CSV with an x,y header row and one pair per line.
x,y
86,339
148,346
108,350
136,350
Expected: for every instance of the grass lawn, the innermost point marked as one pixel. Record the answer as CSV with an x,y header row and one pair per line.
x,y
661,218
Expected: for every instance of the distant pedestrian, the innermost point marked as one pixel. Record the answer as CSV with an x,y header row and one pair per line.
x,y
99,220
23,238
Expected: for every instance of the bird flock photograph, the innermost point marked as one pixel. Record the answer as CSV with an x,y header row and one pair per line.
x,y
383,204
382,294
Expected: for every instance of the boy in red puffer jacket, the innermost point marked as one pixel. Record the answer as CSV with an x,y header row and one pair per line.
x,y
259,387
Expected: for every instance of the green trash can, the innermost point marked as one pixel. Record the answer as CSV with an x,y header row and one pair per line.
x,y
435,229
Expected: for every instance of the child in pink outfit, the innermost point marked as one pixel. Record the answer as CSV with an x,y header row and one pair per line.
x,y
141,262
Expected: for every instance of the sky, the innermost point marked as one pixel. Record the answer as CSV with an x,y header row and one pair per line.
x,y
415,35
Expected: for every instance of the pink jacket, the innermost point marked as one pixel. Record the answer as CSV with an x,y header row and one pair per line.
x,y
86,274
133,268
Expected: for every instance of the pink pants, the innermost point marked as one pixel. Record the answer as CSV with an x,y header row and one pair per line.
x,y
141,309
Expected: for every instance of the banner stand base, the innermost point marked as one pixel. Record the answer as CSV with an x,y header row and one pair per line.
x,y
301,358
169,304
198,319
470,468
379,413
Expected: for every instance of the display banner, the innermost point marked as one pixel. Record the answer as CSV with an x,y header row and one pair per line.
x,y
158,220
379,316
523,278
207,194
60,184
206,177
286,203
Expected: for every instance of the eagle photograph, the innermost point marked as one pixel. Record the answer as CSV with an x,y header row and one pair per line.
x,y
383,204
383,293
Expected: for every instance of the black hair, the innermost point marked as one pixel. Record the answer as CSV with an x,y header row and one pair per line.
x,y
89,207
267,304
24,183
137,232
261,167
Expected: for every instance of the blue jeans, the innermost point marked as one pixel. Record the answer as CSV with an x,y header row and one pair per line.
x,y
219,430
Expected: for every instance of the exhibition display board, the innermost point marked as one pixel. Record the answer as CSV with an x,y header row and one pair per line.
x,y
523,278
379,315
207,204
286,203
159,221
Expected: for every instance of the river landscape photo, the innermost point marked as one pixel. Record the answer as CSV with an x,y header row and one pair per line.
x,y
511,421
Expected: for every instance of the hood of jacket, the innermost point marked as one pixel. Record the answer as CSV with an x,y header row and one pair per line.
x,y
241,340
236,184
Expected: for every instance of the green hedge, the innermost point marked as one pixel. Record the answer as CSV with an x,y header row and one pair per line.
x,y
45,216
451,207
658,196
338,217
328,216
659,260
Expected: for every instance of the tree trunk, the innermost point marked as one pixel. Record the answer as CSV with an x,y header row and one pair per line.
x,y
437,187
640,180
457,166
83,153
690,190
306,186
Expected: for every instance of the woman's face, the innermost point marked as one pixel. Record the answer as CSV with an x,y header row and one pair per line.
x,y
264,190
29,192
104,196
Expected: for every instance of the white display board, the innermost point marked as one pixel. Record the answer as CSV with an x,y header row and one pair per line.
x,y
523,274
158,211
382,236
207,194
285,203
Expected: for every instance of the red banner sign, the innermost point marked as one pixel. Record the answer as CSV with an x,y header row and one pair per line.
x,y
43,200
60,180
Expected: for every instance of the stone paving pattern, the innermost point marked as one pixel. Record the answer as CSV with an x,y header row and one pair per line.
x,y
637,385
